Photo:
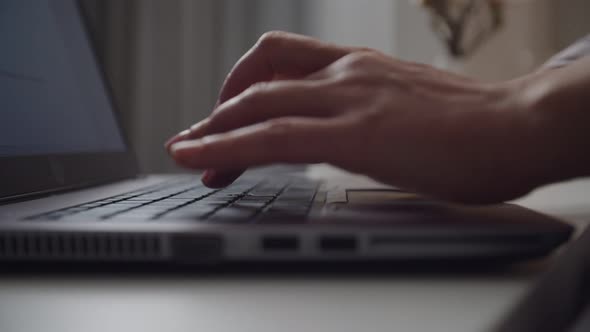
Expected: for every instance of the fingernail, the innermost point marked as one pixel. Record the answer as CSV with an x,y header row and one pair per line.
x,y
208,176
174,139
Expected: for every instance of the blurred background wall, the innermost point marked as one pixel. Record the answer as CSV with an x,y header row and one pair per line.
x,y
166,59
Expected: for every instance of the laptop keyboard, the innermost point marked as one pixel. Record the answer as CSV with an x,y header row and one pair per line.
x,y
246,200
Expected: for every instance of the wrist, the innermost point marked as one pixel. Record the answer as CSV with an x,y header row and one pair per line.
x,y
555,138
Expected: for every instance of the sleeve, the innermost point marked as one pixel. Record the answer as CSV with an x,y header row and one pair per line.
x,y
579,50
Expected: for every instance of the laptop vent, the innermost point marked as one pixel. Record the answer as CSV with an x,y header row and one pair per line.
x,y
73,247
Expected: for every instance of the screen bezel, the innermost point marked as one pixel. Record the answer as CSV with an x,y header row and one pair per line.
x,y
23,176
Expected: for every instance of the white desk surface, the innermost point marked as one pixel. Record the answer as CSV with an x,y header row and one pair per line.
x,y
421,303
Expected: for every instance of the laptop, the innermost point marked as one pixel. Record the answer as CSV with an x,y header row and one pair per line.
x,y
71,190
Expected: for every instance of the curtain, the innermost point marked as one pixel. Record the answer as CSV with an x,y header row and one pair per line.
x,y
167,59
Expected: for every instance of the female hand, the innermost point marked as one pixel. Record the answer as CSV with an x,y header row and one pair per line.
x,y
293,99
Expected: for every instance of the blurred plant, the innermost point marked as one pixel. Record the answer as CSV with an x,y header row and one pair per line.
x,y
464,25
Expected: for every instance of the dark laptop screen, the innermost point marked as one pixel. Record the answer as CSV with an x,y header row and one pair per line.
x,y
52,97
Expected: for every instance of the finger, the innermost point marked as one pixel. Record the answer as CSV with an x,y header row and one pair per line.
x,y
183,135
259,104
276,100
213,178
196,131
267,101
289,140
273,100
277,54
283,55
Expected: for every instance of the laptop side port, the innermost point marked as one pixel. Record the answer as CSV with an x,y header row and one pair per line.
x,y
338,243
201,248
280,243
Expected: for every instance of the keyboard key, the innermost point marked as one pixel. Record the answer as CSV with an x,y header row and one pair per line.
x,y
249,204
264,199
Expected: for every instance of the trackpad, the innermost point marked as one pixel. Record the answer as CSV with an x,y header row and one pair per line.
x,y
379,197
383,205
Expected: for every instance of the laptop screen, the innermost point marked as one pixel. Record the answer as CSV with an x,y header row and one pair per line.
x,y
52,97
58,130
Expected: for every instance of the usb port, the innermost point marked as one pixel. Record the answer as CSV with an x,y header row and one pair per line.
x,y
338,243
280,243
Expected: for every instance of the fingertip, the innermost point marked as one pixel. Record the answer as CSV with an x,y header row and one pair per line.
x,y
207,176
215,183
211,180
196,131
185,152
218,179
175,139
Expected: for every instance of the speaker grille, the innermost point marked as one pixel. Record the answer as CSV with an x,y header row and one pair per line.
x,y
72,246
